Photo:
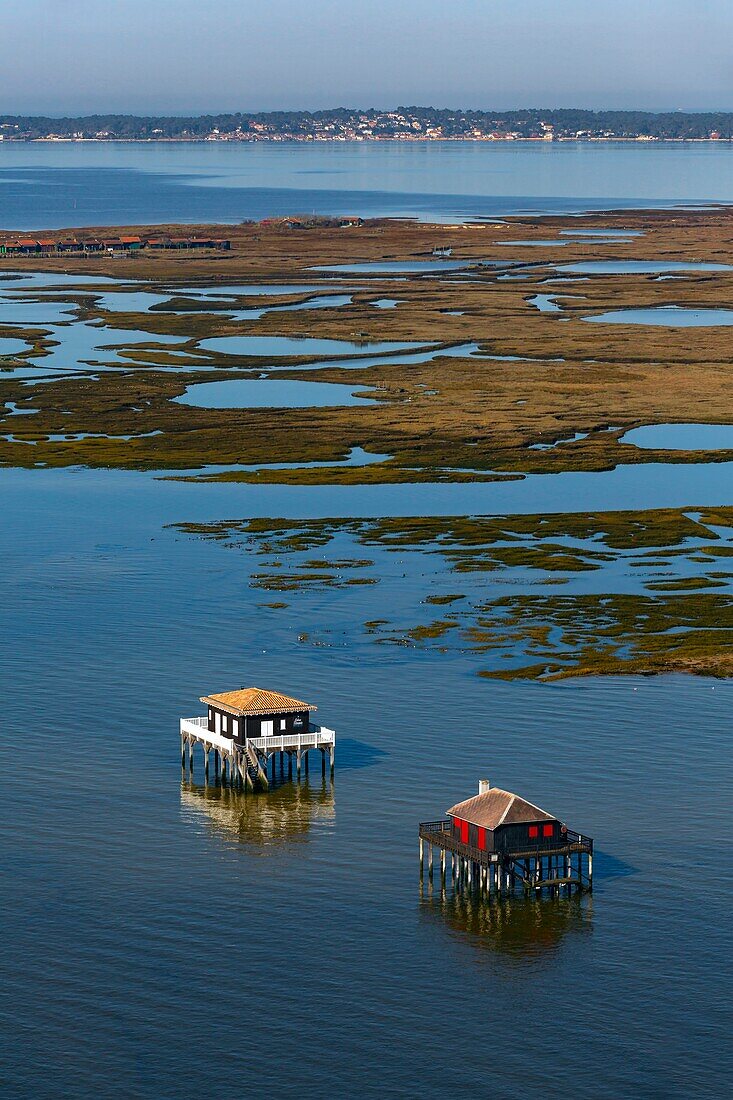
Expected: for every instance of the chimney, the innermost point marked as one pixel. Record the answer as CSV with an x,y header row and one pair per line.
x,y
483,786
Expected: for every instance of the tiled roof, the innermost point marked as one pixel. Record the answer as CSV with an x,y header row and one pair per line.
x,y
255,701
496,807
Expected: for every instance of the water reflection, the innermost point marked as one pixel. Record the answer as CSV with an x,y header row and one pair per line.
x,y
284,815
516,926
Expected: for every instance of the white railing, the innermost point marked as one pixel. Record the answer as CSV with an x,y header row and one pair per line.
x,y
199,728
316,737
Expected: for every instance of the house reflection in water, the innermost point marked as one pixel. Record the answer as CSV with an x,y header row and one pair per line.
x,y
288,814
522,927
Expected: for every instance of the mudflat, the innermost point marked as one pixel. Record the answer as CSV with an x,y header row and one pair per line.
x,y
494,385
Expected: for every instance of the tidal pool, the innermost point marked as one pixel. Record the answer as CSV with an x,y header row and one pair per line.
x,y
83,344
574,438
130,301
545,303
321,301
12,280
10,346
666,316
14,410
681,437
277,393
19,312
637,267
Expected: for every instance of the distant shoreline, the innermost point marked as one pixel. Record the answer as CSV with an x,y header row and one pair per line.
x,y
402,124
418,140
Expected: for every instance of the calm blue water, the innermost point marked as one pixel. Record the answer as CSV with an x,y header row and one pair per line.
x,y
666,316
546,303
137,911
280,393
9,346
47,186
637,267
682,437
166,940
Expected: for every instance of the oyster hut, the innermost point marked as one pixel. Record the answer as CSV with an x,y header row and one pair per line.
x,y
497,840
249,730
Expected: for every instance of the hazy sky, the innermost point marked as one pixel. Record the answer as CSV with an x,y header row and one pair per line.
x,y
180,56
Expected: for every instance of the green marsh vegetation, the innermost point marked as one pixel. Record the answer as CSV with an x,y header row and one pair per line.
x,y
455,418
647,625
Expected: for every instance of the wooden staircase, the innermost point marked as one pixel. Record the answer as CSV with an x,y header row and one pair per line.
x,y
255,773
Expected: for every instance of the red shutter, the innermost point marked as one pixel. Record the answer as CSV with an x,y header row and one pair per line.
x,y
464,832
482,838
548,830
533,831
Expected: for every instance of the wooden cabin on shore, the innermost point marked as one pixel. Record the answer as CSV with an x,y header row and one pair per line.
x,y
249,729
30,246
497,840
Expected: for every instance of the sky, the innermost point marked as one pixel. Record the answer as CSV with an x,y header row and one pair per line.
x,y
200,56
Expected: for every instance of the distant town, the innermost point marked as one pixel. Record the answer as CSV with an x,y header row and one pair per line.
x,y
401,124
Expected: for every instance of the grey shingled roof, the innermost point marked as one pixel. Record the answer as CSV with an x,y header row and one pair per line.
x,y
497,807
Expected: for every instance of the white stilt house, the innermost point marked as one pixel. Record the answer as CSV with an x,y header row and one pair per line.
x,y
249,728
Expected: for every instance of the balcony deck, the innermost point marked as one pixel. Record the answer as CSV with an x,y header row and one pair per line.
x,y
533,868
439,833
317,737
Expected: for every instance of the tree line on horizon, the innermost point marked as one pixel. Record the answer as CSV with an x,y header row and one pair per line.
x,y
564,122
